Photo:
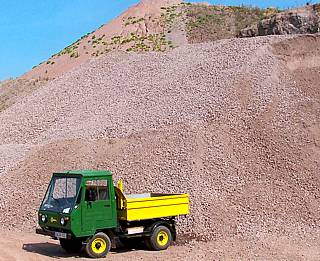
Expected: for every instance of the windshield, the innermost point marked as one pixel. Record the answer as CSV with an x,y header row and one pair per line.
x,y
61,195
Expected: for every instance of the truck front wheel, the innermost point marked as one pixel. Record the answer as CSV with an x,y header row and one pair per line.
x,y
71,245
160,239
98,246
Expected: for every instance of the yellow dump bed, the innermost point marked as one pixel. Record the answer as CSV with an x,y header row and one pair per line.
x,y
151,205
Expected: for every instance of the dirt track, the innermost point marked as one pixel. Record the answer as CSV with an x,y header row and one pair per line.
x,y
31,247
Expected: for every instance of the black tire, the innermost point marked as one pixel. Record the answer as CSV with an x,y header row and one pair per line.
x,y
147,243
160,239
98,246
71,245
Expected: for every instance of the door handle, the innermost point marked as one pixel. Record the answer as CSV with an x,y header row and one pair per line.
x,y
107,205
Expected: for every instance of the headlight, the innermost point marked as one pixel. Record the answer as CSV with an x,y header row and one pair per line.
x,y
62,221
43,218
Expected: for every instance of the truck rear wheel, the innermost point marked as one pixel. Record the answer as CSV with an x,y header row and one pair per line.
x,y
148,243
98,246
71,245
160,239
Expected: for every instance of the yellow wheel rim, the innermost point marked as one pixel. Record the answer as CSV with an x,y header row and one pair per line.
x,y
99,245
162,238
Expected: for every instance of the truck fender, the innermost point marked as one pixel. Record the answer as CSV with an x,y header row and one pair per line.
x,y
110,233
156,224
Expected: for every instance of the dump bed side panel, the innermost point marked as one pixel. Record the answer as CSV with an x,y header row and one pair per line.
x,y
154,207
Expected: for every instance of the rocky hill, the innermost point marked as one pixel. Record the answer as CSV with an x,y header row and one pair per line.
x,y
149,26
161,25
153,25
139,29
304,20
207,23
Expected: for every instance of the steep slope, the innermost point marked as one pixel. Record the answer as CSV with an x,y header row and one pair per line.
x,y
152,25
140,28
229,122
13,89
161,25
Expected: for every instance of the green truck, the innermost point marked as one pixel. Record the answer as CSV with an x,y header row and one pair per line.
x,y
85,209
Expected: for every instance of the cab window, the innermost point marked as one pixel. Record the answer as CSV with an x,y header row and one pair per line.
x,y
96,190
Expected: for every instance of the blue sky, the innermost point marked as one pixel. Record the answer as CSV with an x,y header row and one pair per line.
x,y
33,30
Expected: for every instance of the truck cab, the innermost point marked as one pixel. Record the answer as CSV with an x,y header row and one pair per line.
x,y
84,209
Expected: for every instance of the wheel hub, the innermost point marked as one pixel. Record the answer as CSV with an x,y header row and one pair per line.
x,y
162,238
99,245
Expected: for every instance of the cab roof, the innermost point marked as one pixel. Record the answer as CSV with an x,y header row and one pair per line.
x,y
88,173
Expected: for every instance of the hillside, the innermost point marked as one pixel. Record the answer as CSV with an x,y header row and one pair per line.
x,y
207,23
140,28
162,25
234,122
13,89
236,125
153,26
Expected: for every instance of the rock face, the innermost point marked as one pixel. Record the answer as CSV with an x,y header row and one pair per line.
x,y
297,21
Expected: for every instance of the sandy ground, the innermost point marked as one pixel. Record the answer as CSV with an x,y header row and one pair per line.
x,y
18,246
27,246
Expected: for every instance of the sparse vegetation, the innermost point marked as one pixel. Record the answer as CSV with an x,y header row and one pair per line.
x,y
74,55
169,15
204,23
49,62
72,47
209,23
132,42
133,20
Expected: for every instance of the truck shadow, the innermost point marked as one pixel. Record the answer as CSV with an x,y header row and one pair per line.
x,y
55,251
49,250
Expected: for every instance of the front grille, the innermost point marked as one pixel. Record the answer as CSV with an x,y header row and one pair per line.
x,y
57,229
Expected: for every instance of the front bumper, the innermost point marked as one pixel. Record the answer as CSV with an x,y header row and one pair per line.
x,y
46,232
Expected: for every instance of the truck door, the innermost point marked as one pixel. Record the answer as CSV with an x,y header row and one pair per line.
x,y
97,212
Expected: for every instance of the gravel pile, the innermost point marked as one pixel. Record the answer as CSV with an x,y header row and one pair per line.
x,y
10,155
226,122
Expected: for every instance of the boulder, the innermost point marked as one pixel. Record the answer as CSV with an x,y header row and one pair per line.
x,y
305,20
